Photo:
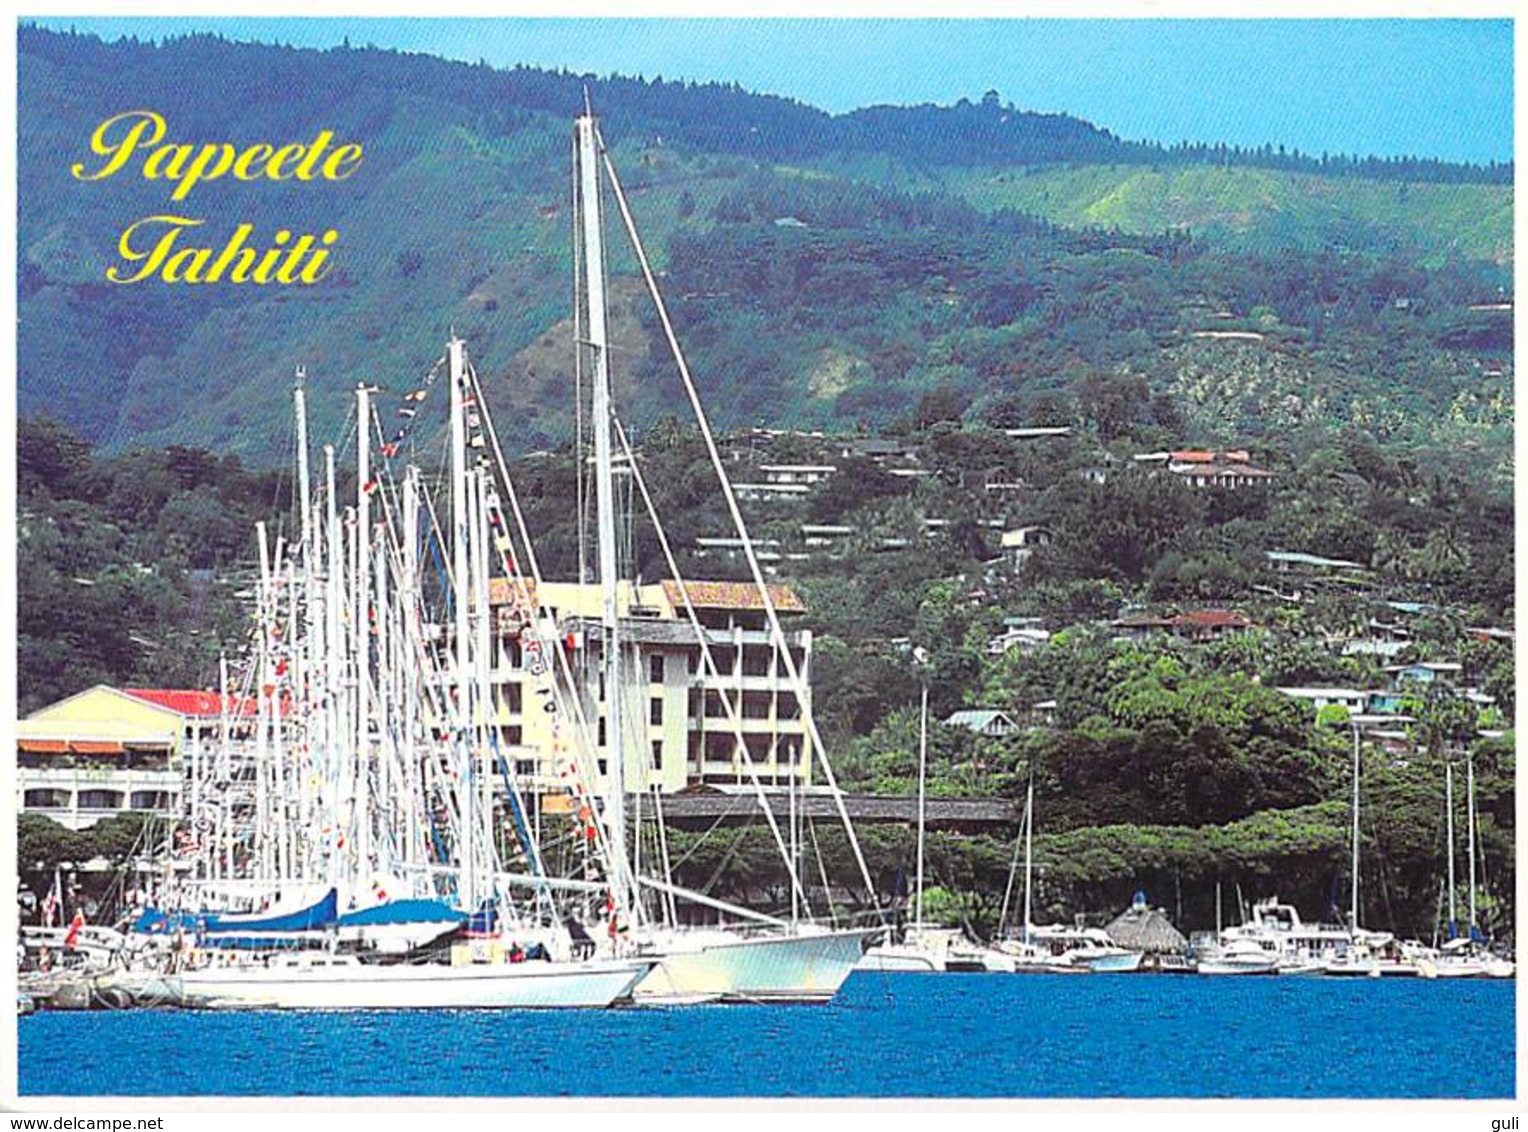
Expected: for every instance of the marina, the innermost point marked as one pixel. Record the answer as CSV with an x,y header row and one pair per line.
x,y
981,669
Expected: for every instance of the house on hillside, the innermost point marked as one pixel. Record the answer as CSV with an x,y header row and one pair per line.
x,y
796,473
1425,672
1024,638
1139,626
1038,432
1295,562
1351,698
881,450
1202,468
990,722
1208,624
1206,468
1022,541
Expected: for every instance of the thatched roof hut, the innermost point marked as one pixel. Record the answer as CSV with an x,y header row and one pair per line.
x,y
1145,929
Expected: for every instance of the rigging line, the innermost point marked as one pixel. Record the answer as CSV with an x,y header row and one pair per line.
x,y
822,870
734,713
732,851
701,840
1013,866
803,695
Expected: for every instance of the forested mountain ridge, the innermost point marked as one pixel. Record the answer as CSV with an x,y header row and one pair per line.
x,y
828,267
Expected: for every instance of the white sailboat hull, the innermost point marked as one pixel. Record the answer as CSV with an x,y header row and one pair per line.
x,y
899,957
809,967
526,986
1119,962
1237,965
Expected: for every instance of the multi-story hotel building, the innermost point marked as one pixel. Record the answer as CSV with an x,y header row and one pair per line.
x,y
678,730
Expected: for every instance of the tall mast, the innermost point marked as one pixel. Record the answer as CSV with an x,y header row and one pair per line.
x,y
307,722
334,651
594,290
922,790
467,882
1448,795
263,703
1353,911
406,602
225,836
304,486
1469,789
1029,846
482,643
361,782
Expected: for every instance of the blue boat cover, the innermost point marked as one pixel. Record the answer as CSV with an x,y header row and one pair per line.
x,y
154,922
404,912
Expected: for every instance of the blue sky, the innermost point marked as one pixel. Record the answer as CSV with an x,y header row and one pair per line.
x,y
1430,87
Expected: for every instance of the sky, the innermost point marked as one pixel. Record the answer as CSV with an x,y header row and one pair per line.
x,y
1425,87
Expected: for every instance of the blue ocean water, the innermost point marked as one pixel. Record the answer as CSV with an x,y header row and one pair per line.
x,y
884,1035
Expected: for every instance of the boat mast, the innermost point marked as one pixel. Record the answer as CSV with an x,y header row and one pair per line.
x,y
361,783
407,601
594,293
261,845
314,716
225,835
1353,912
922,791
467,882
1029,845
1469,778
334,652
1448,795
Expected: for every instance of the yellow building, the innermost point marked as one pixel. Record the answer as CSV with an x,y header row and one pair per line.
x,y
678,730
107,751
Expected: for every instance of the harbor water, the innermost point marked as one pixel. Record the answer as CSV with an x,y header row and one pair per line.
x,y
883,1036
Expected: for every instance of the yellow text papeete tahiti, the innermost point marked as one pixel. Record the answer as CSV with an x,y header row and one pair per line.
x,y
157,247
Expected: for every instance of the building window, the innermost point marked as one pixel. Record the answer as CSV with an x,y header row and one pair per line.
x,y
46,799
525,767
512,654
601,742
655,668
604,767
513,736
657,754
655,711
514,701
100,800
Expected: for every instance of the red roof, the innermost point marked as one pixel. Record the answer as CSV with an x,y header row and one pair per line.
x,y
1192,456
732,595
1211,618
1218,471
202,705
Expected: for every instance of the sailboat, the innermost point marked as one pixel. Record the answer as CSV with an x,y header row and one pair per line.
x,y
930,947
1057,948
1464,956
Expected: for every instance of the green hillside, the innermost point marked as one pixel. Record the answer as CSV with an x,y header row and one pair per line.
x,y
1245,208
829,271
